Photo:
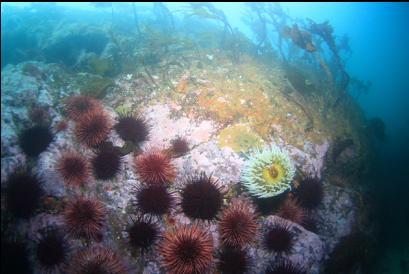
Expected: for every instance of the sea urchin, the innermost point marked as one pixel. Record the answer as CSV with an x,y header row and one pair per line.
x,y
233,261
51,249
201,197
268,173
85,218
179,147
93,128
35,140
278,238
14,257
23,195
238,224
132,129
96,259
153,199
310,192
78,106
285,267
187,249
155,167
73,168
107,163
290,210
142,233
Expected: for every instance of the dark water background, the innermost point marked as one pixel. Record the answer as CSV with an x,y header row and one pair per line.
x,y
379,40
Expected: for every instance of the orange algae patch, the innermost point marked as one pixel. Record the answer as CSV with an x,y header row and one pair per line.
x,y
183,85
230,104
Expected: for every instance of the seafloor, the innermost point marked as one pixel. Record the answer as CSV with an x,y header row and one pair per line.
x,y
224,110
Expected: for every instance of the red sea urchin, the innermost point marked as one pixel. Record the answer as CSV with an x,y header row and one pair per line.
x,y
290,210
201,197
94,260
73,168
93,128
143,233
310,192
187,249
78,106
132,129
285,267
51,249
278,238
238,224
155,167
153,199
107,163
85,218
35,140
233,261
23,195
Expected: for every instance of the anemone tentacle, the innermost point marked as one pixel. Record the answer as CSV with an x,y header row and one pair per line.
x,y
268,172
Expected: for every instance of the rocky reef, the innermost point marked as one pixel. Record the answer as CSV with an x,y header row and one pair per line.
x,y
189,124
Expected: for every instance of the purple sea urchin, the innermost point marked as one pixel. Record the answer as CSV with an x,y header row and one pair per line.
x,y
23,195
201,197
85,218
96,260
143,233
238,224
285,267
187,249
51,249
310,192
14,258
106,163
35,140
93,128
74,168
278,238
233,261
153,199
132,129
155,167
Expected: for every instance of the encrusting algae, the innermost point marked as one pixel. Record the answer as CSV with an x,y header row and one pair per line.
x,y
239,137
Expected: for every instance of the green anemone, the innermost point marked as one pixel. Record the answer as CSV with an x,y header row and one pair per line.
x,y
268,172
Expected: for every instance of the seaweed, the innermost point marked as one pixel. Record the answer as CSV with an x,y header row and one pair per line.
x,y
209,11
102,66
263,16
164,16
292,97
97,87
